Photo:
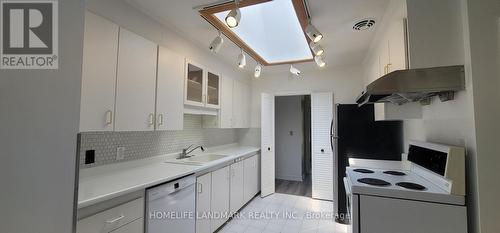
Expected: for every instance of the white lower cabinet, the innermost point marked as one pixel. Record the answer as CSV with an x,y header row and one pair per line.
x,y
225,191
203,203
250,178
236,196
220,197
124,218
133,227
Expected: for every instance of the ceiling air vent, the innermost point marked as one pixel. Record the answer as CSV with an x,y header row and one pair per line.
x,y
363,24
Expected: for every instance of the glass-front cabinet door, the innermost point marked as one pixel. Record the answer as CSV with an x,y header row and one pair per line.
x,y
202,86
213,90
195,84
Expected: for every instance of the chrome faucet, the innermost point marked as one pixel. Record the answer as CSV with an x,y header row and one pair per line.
x,y
185,152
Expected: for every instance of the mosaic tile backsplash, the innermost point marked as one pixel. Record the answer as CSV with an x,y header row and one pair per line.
x,y
139,145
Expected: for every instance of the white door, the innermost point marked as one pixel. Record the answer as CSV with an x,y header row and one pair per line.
x,y
136,83
203,206
267,144
100,51
220,196
322,154
169,91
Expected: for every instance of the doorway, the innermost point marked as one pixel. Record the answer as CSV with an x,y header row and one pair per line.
x,y
293,145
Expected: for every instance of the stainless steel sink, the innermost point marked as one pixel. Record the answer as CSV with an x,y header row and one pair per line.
x,y
197,159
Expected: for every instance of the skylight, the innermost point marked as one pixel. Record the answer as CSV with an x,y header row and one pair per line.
x,y
273,31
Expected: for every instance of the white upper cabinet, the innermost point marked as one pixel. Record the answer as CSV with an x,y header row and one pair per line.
x,y
136,83
202,87
241,104
100,51
226,108
169,90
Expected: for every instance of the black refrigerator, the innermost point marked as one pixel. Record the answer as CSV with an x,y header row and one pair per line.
x,y
355,134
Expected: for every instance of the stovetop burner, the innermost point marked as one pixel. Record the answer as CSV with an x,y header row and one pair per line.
x,y
361,170
395,173
410,185
373,181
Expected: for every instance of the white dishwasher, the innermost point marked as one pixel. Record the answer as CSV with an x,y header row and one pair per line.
x,y
170,207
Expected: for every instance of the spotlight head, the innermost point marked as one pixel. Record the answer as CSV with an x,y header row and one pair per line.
x,y
319,61
216,44
242,61
233,18
313,33
316,48
258,69
294,71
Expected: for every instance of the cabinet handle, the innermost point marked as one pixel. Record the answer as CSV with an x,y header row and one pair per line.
x,y
109,117
160,120
200,187
151,119
388,67
111,221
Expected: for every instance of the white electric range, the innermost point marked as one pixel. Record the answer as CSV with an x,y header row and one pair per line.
x,y
423,194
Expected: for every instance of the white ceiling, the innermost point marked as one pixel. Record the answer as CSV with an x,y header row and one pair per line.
x,y
333,18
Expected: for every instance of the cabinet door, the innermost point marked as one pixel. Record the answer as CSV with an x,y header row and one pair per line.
x,y
236,196
136,83
136,226
322,154
203,198
169,91
100,51
212,98
226,108
238,104
251,177
220,196
397,45
194,84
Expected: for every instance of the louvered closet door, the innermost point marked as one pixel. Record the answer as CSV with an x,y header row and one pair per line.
x,y
322,154
267,159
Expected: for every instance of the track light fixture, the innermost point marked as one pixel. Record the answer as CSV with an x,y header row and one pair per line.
x,y
234,16
316,48
319,61
216,44
313,33
258,69
242,60
294,71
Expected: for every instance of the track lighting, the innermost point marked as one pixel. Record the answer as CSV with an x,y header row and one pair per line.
x,y
216,44
258,69
313,33
242,60
319,61
294,71
234,16
316,48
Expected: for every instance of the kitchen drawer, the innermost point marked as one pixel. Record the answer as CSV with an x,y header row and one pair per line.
x,y
113,218
136,226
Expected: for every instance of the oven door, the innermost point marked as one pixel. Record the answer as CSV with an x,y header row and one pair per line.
x,y
352,208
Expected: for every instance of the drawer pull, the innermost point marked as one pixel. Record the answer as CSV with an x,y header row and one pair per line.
x,y
111,221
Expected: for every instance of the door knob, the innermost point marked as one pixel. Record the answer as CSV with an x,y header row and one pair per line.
x,y
322,150
269,149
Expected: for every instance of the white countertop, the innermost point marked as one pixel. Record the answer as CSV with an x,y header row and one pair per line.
x,y
105,182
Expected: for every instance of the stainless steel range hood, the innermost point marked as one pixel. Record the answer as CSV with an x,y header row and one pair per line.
x,y
403,86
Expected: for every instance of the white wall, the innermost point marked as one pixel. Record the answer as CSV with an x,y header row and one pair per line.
x,y
346,83
134,20
39,118
483,63
289,148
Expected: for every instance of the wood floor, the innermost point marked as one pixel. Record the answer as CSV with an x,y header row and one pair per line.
x,y
298,188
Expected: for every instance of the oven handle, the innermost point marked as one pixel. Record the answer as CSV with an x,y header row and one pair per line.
x,y
347,187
